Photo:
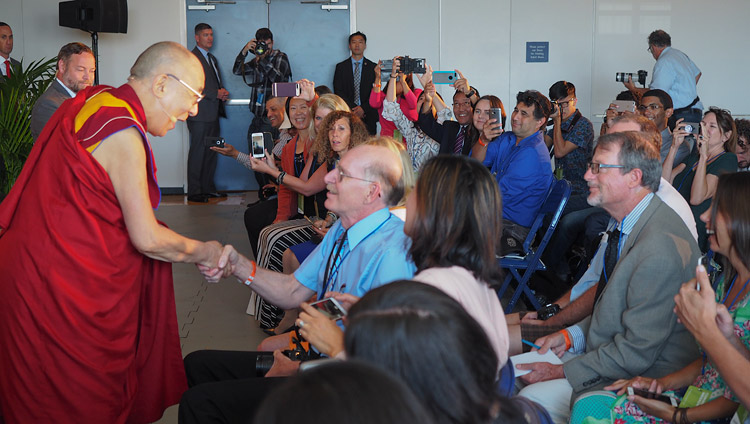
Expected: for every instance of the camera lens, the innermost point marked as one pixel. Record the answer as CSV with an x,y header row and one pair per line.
x,y
689,128
263,363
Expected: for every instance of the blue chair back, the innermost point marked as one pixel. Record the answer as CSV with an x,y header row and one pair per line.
x,y
553,205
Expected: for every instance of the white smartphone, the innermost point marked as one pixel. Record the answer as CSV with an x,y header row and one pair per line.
x,y
258,145
330,307
624,105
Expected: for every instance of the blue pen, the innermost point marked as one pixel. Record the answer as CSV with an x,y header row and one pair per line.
x,y
526,342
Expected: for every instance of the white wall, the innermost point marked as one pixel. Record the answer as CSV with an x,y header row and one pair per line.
x,y
37,34
589,40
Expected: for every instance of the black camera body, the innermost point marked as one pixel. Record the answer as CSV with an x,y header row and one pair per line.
x,y
260,48
547,312
408,65
264,360
623,76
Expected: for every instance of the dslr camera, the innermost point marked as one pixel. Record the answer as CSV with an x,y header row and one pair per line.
x,y
260,48
264,360
623,76
548,312
408,65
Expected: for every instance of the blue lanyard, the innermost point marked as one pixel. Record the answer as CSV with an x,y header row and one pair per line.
x,y
334,272
695,165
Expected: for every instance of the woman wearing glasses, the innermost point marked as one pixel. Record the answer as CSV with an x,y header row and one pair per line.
x,y
698,174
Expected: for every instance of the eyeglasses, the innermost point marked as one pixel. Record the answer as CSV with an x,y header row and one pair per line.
x,y
652,107
462,104
594,167
342,175
194,91
649,49
565,103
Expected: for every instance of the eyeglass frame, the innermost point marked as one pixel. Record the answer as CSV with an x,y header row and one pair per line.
x,y
342,175
186,85
596,167
464,104
651,107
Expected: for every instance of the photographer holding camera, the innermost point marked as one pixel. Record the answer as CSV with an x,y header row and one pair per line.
x,y
265,68
674,73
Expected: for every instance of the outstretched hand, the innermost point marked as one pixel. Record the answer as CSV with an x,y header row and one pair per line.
x,y
425,78
266,165
307,89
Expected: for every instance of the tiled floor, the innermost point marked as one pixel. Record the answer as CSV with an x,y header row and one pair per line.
x,y
210,315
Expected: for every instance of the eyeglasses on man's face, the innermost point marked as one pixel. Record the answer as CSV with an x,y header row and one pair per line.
x,y
652,107
186,85
594,167
342,175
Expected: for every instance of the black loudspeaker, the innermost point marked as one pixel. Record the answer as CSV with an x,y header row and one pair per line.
x,y
95,15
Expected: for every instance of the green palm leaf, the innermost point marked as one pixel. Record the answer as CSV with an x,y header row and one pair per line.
x,y
18,93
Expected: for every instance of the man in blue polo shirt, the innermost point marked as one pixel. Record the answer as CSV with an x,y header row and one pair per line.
x,y
520,162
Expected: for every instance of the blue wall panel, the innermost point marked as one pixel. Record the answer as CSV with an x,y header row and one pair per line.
x,y
314,39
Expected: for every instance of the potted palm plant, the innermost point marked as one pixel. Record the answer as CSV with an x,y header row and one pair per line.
x,y
18,93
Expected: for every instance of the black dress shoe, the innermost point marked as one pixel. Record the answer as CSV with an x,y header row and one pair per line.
x,y
198,198
215,194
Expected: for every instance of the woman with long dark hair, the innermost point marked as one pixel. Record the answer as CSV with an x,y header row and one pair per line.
x,y
698,174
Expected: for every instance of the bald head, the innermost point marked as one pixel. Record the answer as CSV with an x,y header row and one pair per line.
x,y
631,122
168,80
163,57
383,165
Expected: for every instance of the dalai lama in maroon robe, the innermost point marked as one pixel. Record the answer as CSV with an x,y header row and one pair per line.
x,y
88,330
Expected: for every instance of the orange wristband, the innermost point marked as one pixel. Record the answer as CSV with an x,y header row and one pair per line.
x,y
568,343
479,140
250,279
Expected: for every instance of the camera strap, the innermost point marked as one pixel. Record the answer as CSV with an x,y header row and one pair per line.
x,y
566,129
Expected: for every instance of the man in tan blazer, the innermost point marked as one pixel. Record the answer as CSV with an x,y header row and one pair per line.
x,y
632,330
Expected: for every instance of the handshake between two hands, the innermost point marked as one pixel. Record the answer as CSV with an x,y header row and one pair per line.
x,y
223,262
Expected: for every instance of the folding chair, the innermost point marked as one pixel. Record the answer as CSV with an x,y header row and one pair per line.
x,y
531,259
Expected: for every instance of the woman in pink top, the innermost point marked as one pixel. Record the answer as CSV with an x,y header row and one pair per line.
x,y
405,93
453,220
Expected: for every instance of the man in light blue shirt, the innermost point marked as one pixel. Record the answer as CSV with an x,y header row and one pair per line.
x,y
365,249
676,74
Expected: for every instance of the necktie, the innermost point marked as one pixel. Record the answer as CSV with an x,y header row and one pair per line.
x,y
459,141
332,267
212,59
610,260
7,67
357,82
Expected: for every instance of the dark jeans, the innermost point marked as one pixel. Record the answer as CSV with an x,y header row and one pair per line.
x,y
223,387
573,224
257,217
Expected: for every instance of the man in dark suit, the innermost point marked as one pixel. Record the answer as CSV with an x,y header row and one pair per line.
x,y
76,68
455,137
353,81
6,46
202,160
